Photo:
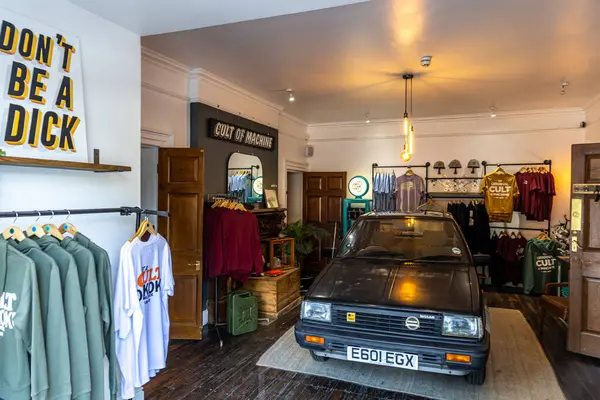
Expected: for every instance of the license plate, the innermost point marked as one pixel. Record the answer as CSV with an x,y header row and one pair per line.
x,y
383,357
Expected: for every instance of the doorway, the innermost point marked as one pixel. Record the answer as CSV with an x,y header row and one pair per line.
x,y
149,181
294,196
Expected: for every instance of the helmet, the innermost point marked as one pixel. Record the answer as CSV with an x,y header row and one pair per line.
x,y
455,164
473,164
439,165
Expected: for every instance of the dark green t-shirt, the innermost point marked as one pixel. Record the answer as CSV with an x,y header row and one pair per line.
x,y
541,265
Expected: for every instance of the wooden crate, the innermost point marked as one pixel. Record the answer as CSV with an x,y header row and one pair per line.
x,y
276,295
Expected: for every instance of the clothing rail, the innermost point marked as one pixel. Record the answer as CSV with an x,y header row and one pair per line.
x,y
426,166
519,229
81,211
447,195
545,162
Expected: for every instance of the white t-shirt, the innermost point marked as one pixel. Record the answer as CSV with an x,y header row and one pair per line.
x,y
147,273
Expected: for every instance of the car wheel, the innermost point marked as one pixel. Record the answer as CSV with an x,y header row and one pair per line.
x,y
476,377
317,357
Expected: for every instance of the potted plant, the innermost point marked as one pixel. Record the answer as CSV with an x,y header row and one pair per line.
x,y
304,236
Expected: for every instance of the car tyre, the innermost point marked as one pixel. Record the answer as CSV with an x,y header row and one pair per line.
x,y
476,377
317,357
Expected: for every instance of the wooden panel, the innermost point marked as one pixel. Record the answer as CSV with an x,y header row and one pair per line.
x,y
313,209
334,208
184,234
78,166
183,170
592,231
275,294
591,302
593,169
181,187
336,183
314,183
187,290
590,343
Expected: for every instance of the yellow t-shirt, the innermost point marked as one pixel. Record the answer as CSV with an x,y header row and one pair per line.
x,y
500,189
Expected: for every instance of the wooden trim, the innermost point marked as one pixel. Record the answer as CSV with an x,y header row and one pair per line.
x,y
158,139
77,166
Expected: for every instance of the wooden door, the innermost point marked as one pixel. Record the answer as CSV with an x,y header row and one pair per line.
x,y
180,191
324,194
584,275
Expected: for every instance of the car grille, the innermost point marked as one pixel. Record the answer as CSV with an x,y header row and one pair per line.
x,y
384,322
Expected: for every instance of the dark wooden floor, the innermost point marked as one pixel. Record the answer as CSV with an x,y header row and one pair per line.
x,y
201,370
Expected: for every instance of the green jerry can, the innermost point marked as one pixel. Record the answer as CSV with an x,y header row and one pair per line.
x,y
242,312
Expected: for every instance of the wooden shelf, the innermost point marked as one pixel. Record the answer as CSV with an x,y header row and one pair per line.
x,y
77,166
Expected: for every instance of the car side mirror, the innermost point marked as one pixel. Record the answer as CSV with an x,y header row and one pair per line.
x,y
481,260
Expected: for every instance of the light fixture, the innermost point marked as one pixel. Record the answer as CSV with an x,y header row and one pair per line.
x,y
291,98
407,127
492,112
563,87
367,120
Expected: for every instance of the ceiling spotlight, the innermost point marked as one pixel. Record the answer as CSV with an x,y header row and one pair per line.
x,y
426,61
367,120
291,98
493,112
562,87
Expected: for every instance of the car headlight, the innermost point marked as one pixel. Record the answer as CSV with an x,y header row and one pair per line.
x,y
316,311
462,326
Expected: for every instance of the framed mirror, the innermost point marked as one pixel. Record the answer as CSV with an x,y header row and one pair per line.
x,y
244,178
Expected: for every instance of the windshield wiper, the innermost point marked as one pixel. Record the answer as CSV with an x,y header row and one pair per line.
x,y
434,258
375,254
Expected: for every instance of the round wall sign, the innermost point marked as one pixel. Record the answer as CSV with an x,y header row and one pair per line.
x,y
257,186
358,186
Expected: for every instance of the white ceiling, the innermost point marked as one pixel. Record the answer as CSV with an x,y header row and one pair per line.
x,y
149,17
346,61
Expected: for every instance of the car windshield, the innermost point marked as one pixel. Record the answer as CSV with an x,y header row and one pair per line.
x,y
405,239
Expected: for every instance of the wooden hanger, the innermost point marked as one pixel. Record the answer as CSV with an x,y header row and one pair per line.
x,y
499,170
35,229
145,227
14,232
52,230
67,227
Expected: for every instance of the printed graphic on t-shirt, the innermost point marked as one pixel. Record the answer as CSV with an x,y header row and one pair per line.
x,y
7,315
500,189
545,263
148,283
407,185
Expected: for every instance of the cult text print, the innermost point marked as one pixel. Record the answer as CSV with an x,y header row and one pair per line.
x,y
8,303
148,283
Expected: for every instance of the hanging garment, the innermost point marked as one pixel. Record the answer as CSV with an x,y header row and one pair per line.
x,y
81,384
21,334
384,191
86,269
537,191
144,284
478,229
103,276
53,318
409,191
541,265
500,189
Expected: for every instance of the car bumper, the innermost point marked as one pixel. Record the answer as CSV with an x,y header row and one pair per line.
x,y
430,350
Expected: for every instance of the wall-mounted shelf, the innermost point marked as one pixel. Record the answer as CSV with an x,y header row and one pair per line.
x,y
77,166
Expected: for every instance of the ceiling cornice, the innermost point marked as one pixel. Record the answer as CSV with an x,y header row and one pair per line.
x,y
595,101
165,62
294,119
455,118
200,73
166,92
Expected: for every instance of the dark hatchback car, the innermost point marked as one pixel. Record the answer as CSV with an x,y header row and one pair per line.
x,y
402,292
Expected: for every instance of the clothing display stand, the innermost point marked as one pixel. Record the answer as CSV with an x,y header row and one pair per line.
x,y
252,168
81,211
498,165
376,166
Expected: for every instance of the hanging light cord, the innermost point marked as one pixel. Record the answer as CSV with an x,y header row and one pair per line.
x,y
405,97
411,102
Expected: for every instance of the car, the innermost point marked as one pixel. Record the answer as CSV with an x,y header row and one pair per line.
x,y
402,291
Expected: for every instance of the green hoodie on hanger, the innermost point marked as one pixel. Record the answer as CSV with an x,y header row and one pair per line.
x,y
53,319
24,373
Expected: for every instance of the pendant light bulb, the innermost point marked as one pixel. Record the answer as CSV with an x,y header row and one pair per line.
x,y
405,155
411,140
406,125
292,98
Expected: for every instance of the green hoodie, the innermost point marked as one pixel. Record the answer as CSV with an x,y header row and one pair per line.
x,y
21,333
103,273
53,319
74,316
540,265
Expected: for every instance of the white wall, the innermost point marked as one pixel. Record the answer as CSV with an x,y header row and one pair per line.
x,y
149,181
519,137
165,103
111,80
295,196
592,113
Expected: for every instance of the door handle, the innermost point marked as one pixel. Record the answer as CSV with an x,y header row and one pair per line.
x,y
196,264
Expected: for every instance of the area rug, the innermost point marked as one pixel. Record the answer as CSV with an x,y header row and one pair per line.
x,y
517,367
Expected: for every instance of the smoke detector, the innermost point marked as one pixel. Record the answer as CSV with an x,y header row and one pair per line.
x,y
426,61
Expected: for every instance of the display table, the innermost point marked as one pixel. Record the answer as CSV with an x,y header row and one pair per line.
x,y
276,295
